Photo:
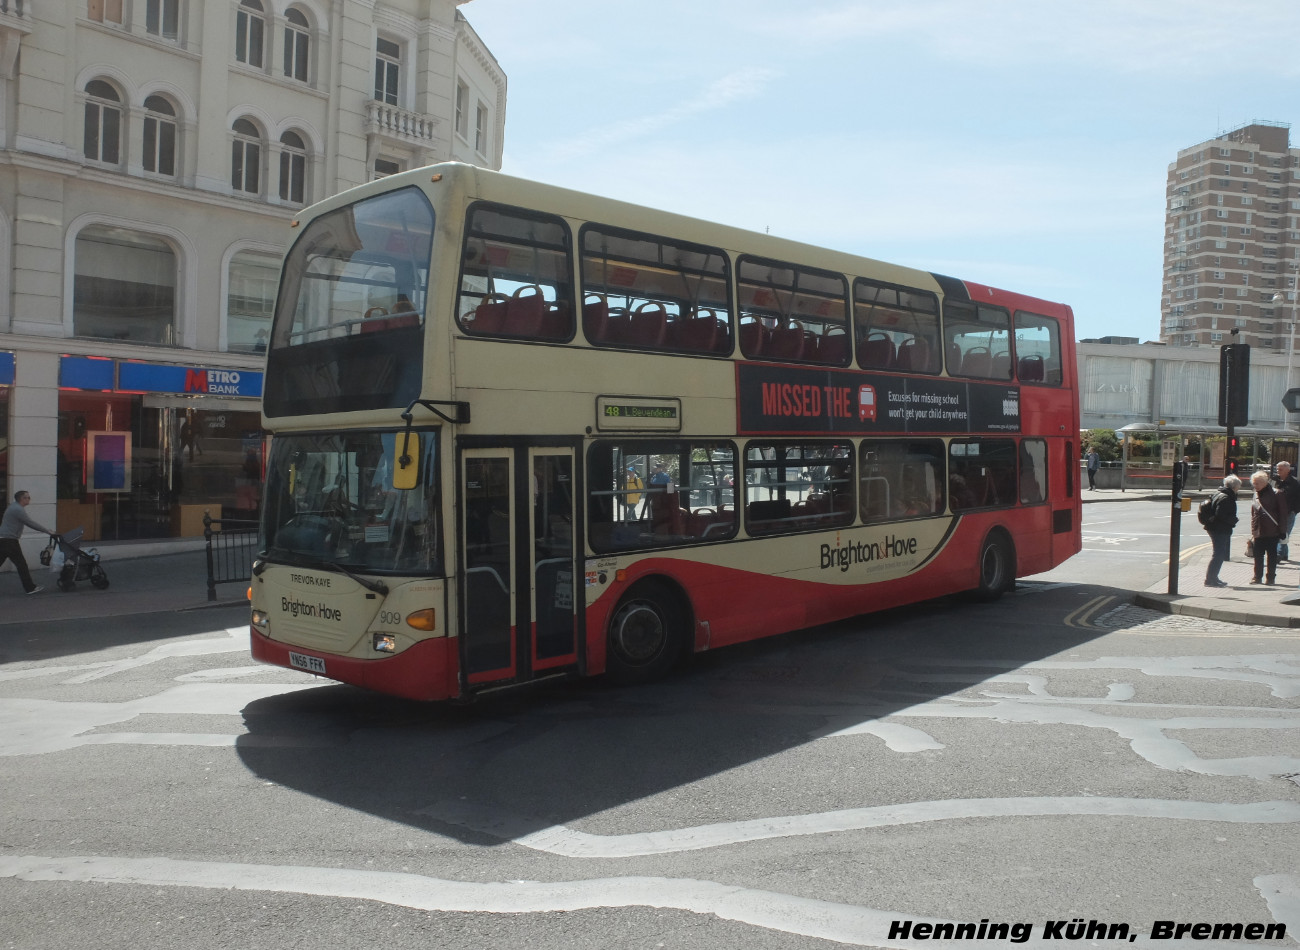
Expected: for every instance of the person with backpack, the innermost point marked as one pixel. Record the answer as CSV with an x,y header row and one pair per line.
x,y
1268,516
1218,514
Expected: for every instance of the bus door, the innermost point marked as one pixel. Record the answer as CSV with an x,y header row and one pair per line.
x,y
519,593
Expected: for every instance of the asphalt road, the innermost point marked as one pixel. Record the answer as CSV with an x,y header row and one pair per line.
x,y
1057,755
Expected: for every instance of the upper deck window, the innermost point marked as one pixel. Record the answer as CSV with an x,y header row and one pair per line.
x,y
348,321
977,341
649,292
515,279
792,313
896,327
1038,348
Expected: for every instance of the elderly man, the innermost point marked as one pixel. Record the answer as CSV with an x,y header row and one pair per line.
x,y
1289,487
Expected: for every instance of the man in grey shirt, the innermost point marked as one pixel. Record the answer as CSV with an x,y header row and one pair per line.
x,y
11,530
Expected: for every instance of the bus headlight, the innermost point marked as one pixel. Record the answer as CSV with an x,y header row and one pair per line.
x,y
422,619
261,619
385,643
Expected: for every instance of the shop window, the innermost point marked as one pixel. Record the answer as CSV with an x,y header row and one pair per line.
x,y
646,494
515,279
796,486
647,292
250,300
124,286
901,478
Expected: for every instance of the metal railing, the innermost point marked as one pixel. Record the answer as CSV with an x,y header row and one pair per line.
x,y
231,549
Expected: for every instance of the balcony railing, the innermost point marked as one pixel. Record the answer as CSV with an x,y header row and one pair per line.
x,y
14,7
383,119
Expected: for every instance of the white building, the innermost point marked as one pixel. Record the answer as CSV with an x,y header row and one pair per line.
x,y
153,154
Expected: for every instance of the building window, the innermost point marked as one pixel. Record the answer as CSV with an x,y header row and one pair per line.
x,y
250,298
159,136
293,167
104,11
462,110
384,168
480,129
103,126
250,32
388,60
162,18
246,158
297,45
124,286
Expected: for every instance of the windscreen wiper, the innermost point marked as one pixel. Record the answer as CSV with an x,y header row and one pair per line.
x,y
379,587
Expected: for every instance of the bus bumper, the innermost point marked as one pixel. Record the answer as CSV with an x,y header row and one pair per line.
x,y
427,671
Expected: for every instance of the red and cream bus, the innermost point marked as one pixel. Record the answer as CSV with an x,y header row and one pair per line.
x,y
521,432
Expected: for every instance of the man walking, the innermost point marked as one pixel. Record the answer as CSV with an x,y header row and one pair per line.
x,y
1094,463
1289,487
1219,515
11,530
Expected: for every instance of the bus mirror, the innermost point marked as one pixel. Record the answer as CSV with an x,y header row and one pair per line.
x,y
406,471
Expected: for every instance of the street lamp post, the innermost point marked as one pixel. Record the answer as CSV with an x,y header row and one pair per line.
x,y
1279,300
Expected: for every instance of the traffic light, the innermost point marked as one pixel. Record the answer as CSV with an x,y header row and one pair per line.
x,y
1232,456
1234,384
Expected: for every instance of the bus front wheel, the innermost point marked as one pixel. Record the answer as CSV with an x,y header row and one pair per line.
x,y
645,635
997,567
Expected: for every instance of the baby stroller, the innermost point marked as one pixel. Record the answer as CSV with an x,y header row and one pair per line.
x,y
78,565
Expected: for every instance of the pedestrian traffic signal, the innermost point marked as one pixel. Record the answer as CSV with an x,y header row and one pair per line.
x,y
1232,456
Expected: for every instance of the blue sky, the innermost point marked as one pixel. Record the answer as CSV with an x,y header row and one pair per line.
x,y
1019,143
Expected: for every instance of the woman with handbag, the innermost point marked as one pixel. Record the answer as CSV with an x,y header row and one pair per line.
x,y
1268,517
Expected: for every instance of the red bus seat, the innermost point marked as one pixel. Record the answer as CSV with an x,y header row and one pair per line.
x,y
787,343
833,348
1000,367
648,325
490,315
876,352
525,312
1031,369
914,355
753,336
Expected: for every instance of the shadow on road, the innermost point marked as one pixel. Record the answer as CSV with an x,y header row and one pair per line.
x,y
509,766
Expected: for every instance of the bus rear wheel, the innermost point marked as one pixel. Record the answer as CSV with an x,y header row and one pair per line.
x,y
645,635
997,567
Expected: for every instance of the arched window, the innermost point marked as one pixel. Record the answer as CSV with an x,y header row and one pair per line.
x,y
250,298
124,286
297,45
159,136
246,158
103,129
250,32
293,167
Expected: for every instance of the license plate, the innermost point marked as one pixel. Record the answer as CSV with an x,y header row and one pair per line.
x,y
312,664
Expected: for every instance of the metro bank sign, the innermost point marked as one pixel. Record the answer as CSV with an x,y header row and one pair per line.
x,y
130,376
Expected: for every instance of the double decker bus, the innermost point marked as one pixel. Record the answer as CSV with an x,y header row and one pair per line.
x,y
521,432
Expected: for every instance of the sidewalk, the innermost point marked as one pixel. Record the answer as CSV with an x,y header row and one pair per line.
x,y
1239,602
150,578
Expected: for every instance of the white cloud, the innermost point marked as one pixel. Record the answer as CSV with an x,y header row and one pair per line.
x,y
742,84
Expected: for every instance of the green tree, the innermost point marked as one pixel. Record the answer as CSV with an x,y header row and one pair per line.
x,y
1107,445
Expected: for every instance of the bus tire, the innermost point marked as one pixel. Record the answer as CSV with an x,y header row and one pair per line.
x,y
997,567
645,635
